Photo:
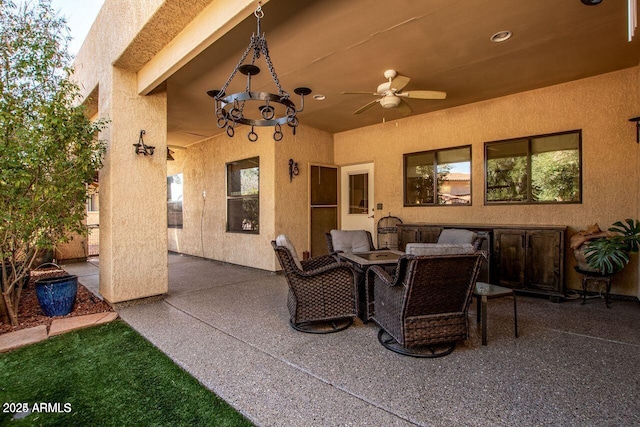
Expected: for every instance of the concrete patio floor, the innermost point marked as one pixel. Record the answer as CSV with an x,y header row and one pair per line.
x,y
573,364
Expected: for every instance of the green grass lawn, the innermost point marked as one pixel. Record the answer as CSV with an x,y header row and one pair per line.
x,y
105,376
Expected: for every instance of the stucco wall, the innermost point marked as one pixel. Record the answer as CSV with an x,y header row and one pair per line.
x,y
600,106
637,94
93,63
76,248
133,257
309,146
283,205
204,220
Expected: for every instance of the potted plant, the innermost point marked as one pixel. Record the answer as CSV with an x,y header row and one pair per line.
x,y
57,295
608,252
50,151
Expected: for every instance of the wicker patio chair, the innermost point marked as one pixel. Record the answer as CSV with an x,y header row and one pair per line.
x,y
349,241
422,310
322,290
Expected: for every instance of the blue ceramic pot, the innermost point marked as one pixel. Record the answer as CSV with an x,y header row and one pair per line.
x,y
57,295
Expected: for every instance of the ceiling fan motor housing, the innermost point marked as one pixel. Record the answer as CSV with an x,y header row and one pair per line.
x,y
390,101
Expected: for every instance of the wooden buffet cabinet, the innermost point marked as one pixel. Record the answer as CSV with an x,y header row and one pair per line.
x,y
525,258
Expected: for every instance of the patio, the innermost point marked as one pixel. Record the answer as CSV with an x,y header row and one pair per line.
x,y
228,327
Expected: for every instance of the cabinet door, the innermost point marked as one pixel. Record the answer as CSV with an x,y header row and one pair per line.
x,y
429,234
509,256
544,260
407,234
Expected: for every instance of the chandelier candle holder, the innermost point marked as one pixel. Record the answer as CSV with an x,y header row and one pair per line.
x,y
230,109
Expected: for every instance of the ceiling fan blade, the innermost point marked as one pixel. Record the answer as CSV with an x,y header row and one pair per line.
x,y
423,94
359,93
399,82
366,106
404,108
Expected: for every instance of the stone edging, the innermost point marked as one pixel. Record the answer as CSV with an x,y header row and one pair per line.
x,y
13,340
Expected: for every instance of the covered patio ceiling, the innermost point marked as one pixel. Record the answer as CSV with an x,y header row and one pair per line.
x,y
332,46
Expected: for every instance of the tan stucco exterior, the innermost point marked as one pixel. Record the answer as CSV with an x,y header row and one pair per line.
x,y
133,243
283,204
600,106
134,238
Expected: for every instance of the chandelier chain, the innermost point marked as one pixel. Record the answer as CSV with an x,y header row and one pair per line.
x,y
272,70
233,74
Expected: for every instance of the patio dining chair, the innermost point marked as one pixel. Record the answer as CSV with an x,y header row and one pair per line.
x,y
422,310
354,241
322,290
457,236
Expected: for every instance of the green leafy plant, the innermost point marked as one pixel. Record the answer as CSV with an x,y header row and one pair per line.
x,y
611,254
49,150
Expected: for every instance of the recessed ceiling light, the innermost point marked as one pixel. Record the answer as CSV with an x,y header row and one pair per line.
x,y
501,36
319,97
591,2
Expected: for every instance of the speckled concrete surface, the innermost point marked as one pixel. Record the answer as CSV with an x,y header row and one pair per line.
x,y
573,365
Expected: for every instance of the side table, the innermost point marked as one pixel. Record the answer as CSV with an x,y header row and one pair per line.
x,y
597,277
486,291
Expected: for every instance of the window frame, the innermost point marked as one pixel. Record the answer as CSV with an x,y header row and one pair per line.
x,y
242,197
435,169
529,191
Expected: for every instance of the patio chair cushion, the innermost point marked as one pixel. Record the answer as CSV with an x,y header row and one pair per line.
x,y
283,240
438,249
451,235
354,241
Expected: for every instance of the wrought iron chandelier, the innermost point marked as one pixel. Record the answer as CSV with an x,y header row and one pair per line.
x,y
230,109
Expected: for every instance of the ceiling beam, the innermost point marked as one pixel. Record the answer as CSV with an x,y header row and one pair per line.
x,y
210,25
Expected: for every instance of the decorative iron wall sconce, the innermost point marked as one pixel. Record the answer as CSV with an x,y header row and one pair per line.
x,y
637,120
230,109
293,170
169,154
142,148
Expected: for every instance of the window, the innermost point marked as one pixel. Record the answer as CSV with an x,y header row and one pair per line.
x,y
438,177
537,169
174,201
359,193
243,196
93,203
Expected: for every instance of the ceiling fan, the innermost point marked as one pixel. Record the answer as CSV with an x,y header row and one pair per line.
x,y
391,94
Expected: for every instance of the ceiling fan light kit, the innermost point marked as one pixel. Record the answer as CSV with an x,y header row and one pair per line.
x,y
391,93
390,101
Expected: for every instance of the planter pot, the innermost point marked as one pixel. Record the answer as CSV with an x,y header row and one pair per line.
x,y
582,260
57,295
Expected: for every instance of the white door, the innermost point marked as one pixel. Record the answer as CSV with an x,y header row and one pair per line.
x,y
356,198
